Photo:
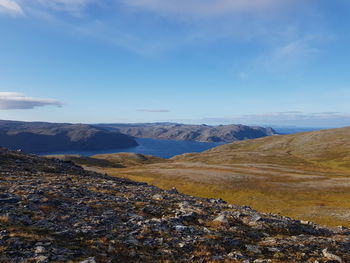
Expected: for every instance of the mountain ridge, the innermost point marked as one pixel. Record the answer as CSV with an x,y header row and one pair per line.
x,y
51,137
191,132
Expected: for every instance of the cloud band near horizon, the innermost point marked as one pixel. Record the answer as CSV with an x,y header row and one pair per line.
x,y
18,101
297,118
153,110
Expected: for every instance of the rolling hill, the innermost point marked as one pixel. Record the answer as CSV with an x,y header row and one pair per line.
x,y
50,137
305,175
328,148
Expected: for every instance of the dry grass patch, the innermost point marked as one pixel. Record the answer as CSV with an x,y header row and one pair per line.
x,y
4,219
305,176
290,194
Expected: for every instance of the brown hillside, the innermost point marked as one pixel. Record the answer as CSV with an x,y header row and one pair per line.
x,y
304,175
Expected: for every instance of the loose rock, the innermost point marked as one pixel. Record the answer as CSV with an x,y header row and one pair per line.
x,y
55,211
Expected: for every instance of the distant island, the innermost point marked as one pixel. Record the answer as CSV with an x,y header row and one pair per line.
x,y
188,132
49,137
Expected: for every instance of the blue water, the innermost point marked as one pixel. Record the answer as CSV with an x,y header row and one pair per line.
x,y
160,148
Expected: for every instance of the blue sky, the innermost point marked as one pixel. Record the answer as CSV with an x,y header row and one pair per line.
x,y
265,62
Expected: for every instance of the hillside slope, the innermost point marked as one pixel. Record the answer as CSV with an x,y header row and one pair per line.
x,y
54,211
112,160
184,132
50,137
304,175
328,148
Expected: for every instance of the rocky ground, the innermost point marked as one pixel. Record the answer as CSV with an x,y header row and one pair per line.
x,y
54,211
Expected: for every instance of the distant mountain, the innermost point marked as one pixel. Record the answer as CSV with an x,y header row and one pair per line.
x,y
185,132
49,137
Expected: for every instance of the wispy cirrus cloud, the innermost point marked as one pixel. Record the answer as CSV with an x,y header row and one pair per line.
x,y
193,22
14,101
10,7
207,7
153,110
293,53
174,7
74,7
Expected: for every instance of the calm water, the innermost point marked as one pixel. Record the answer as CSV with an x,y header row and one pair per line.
x,y
160,148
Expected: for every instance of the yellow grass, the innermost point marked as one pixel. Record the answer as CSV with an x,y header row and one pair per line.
x,y
4,219
305,176
312,197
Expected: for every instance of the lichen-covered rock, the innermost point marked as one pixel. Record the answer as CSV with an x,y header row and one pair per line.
x,y
54,211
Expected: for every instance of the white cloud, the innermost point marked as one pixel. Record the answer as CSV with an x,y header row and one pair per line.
x,y
14,100
288,55
206,7
194,22
294,51
10,7
186,7
72,6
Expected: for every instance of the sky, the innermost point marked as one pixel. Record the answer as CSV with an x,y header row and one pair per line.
x,y
261,62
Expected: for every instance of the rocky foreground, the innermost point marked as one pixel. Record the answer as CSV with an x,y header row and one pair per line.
x,y
54,211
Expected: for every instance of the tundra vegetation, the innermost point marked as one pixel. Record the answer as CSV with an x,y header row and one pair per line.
x,y
55,211
304,176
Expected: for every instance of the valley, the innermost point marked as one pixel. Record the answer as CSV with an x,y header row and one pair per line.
x,y
305,176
